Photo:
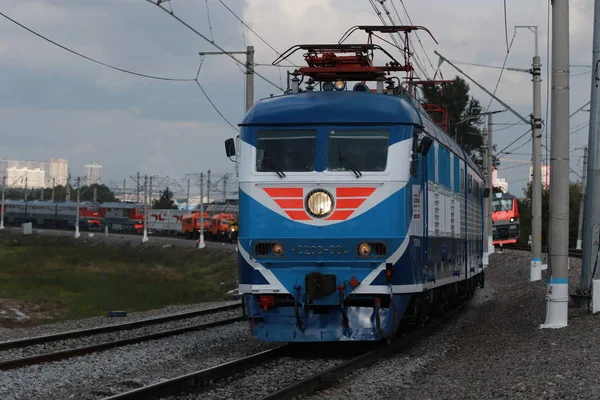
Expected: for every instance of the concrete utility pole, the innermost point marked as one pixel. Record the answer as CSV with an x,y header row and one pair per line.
x,y
68,196
591,217
225,188
536,152
201,243
489,183
145,237
208,187
249,71
2,205
78,201
249,77
42,194
557,287
582,200
187,202
137,190
150,193
53,186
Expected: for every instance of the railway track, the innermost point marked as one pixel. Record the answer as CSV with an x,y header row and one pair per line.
x,y
78,351
204,380
572,252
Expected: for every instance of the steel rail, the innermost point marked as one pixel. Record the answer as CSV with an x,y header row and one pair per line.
x,y
199,378
64,354
114,328
331,375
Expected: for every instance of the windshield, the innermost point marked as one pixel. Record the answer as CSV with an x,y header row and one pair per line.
x,y
502,205
365,150
288,150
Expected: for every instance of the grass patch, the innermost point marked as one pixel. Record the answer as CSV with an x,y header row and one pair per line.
x,y
88,280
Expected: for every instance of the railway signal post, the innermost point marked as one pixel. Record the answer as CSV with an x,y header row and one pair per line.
x,y
558,282
591,217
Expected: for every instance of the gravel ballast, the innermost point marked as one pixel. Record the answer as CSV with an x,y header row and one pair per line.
x,y
51,347
107,373
7,334
494,350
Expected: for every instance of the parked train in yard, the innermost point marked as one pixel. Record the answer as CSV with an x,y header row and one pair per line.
x,y
124,218
357,211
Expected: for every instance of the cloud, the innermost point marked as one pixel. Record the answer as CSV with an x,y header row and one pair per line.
x,y
122,141
62,105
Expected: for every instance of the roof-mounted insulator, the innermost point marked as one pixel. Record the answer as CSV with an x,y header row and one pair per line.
x,y
295,82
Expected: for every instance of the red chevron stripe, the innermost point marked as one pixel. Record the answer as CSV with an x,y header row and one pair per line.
x,y
290,203
340,215
285,192
298,215
354,191
349,203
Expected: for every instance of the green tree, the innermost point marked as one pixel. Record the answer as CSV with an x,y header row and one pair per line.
x,y
460,105
165,201
104,194
525,214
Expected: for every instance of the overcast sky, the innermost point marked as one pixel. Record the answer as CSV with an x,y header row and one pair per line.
x,y
55,104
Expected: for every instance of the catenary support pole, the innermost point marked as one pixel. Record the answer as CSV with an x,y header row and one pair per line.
x,y
591,216
201,243
486,210
558,284
2,205
489,184
582,201
249,77
536,184
145,237
78,202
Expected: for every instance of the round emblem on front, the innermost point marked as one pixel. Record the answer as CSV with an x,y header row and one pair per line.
x,y
319,203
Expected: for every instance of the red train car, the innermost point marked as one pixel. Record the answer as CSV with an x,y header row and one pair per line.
x,y
506,226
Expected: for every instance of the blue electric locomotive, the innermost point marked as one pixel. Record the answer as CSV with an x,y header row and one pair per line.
x,y
356,209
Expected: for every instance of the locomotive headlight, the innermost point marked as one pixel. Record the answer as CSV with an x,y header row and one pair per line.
x,y
277,249
364,249
512,219
339,85
319,203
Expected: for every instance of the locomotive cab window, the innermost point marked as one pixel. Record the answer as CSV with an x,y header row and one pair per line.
x,y
502,205
363,150
287,150
462,179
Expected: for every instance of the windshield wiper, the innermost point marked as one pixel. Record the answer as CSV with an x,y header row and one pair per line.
x,y
347,162
273,166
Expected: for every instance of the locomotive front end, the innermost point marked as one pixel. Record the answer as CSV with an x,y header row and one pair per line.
x,y
323,218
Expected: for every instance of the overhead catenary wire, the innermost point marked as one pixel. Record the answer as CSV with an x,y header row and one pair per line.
x,y
416,34
252,30
208,97
181,21
502,71
506,27
162,78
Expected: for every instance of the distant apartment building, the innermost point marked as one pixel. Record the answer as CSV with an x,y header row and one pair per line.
x,y
58,172
93,174
26,178
53,171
